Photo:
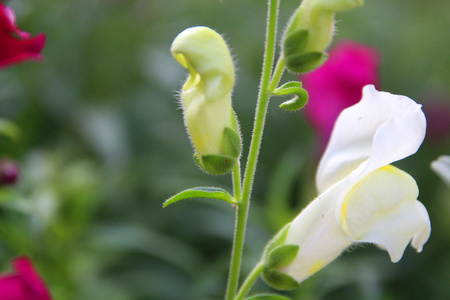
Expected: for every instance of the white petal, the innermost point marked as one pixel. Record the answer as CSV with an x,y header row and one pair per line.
x,y
319,236
442,167
380,129
383,209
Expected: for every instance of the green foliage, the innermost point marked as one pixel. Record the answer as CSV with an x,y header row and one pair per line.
x,y
268,297
99,124
9,129
201,192
297,60
281,256
279,280
292,88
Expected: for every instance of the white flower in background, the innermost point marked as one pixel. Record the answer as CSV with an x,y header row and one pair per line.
x,y
362,197
442,167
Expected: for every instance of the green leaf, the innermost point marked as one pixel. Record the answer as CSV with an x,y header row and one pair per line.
x,y
281,256
295,42
268,297
231,142
292,88
8,129
305,62
277,240
288,88
297,102
201,192
217,164
279,280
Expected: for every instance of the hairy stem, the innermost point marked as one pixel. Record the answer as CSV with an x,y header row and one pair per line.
x,y
258,127
251,278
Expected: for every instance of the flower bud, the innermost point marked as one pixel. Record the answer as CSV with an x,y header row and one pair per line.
x,y
310,31
206,98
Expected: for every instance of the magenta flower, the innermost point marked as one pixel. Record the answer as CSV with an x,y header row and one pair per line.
x,y
9,172
16,45
338,84
24,284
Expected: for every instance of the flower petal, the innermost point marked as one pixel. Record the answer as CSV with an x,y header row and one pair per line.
x,y
17,45
319,235
382,209
442,167
380,129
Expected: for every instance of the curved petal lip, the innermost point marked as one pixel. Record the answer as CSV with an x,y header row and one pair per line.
x,y
380,129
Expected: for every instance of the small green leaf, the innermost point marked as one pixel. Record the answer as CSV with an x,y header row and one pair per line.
x,y
268,297
281,256
292,88
217,164
201,192
279,280
296,103
305,62
277,240
288,88
295,42
231,142
8,129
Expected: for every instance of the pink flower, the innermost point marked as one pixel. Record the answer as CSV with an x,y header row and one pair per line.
x,y
16,45
338,84
9,172
24,284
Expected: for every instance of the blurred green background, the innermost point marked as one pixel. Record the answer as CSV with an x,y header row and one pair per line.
x,y
102,146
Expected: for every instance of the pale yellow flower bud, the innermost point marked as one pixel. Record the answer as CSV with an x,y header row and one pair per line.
x,y
310,32
206,98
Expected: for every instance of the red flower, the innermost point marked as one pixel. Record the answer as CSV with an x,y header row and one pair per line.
x,y
25,284
16,45
338,84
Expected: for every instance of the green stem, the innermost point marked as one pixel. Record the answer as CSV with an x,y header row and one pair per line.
x,y
277,73
258,126
251,278
237,182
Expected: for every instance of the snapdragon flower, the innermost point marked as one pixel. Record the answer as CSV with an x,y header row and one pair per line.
x,y
17,45
362,198
206,98
338,84
24,284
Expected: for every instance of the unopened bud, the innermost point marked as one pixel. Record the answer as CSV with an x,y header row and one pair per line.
x,y
310,32
206,98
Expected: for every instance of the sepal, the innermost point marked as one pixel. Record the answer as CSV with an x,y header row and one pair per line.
x,y
216,164
281,256
221,164
201,192
292,88
231,142
279,280
296,55
277,240
305,62
278,255
295,42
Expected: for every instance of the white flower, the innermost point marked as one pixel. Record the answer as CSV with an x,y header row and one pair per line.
x,y
442,167
362,197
